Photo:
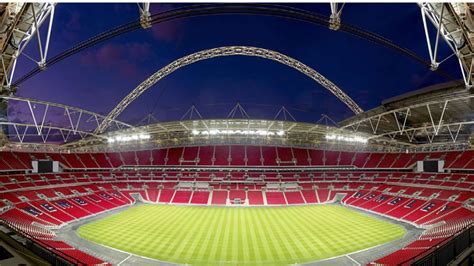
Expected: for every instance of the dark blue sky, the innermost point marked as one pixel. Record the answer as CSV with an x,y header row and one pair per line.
x,y
98,78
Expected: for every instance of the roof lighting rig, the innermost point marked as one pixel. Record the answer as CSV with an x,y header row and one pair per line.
x,y
243,132
354,139
233,132
128,138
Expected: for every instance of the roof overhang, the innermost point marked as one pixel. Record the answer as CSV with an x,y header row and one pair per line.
x,y
442,114
228,131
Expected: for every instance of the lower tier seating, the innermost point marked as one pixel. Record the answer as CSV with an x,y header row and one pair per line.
x,y
444,207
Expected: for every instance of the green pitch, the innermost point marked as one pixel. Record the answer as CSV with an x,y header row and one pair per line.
x,y
240,236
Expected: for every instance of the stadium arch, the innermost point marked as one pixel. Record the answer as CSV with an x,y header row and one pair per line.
x,y
228,51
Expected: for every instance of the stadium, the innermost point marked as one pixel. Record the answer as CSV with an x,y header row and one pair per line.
x,y
236,134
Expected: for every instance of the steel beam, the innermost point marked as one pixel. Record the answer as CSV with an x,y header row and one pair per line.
x,y
69,108
60,130
145,15
453,23
426,128
30,17
335,18
406,108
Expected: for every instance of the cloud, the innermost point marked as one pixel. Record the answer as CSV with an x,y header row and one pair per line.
x,y
167,31
123,57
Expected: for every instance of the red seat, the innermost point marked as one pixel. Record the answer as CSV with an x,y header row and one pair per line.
x,y
255,197
200,197
294,197
219,197
275,198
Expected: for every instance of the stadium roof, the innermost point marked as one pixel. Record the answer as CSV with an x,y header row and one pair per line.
x,y
441,113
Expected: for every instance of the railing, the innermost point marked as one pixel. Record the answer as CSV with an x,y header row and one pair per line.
x,y
445,251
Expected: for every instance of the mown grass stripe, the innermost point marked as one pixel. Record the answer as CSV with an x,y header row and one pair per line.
x,y
202,251
299,234
219,236
187,233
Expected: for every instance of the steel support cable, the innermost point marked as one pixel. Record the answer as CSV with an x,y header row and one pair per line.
x,y
389,44
231,9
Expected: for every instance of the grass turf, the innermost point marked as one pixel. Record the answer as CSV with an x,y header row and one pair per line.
x,y
240,236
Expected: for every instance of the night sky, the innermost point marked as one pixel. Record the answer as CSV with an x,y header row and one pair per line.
x,y
98,78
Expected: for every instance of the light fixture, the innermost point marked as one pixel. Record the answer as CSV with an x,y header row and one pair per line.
x,y
357,139
128,138
245,132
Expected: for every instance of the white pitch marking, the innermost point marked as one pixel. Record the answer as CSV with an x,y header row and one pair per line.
x,y
358,264
124,260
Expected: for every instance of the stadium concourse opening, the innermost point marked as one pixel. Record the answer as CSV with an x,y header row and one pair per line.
x,y
232,157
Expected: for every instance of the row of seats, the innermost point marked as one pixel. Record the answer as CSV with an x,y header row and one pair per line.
x,y
155,190
229,197
443,219
25,181
174,190
455,223
56,212
236,156
27,216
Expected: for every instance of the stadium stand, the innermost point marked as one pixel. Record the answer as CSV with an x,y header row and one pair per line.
x,y
297,169
62,198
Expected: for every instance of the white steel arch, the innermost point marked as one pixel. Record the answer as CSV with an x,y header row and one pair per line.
x,y
227,51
